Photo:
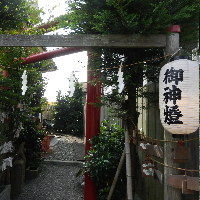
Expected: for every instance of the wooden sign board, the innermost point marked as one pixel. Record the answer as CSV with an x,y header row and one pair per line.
x,y
175,180
154,150
185,190
181,154
147,169
193,183
158,175
142,145
188,184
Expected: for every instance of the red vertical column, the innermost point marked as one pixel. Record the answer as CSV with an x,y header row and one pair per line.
x,y
92,125
4,74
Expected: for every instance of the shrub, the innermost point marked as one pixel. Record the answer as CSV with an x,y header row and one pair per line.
x,y
103,158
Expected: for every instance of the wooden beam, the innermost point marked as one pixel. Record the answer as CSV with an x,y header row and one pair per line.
x,y
84,40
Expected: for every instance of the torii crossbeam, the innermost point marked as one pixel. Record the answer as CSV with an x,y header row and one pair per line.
x,y
85,40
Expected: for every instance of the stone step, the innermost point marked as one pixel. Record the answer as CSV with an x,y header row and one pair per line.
x,y
64,163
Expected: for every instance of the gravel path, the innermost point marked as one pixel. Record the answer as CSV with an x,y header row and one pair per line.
x,y
58,182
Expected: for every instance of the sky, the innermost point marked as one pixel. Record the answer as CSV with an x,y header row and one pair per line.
x,y
59,80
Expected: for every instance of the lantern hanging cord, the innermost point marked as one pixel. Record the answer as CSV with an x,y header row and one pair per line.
x,y
18,68
107,68
135,63
178,168
180,48
113,67
120,65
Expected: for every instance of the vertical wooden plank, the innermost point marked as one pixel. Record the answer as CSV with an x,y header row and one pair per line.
x,y
142,186
193,161
152,134
159,127
160,136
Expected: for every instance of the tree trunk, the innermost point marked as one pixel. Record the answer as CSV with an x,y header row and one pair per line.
x,y
136,76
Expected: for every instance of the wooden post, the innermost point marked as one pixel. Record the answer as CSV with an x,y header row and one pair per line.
x,y
116,175
128,165
170,192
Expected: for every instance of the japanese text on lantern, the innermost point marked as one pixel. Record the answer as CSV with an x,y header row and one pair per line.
x,y
172,94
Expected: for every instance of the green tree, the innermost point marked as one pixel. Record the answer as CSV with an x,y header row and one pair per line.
x,y
133,17
16,109
68,113
11,93
17,14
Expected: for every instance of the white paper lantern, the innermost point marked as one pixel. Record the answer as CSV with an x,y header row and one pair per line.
x,y
179,96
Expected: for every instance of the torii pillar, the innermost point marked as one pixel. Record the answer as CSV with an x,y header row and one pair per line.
x,y
92,124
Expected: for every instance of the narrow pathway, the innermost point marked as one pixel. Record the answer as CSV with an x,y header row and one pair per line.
x,y
57,179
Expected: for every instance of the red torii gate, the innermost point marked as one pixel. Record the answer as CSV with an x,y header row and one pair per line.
x,y
169,42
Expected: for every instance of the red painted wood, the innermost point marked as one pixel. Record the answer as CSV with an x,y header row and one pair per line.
x,y
50,54
175,29
4,73
92,127
46,26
